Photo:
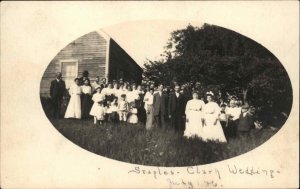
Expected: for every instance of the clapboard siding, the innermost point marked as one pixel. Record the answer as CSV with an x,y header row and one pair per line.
x,y
90,52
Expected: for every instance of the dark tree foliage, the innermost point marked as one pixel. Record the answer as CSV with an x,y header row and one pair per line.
x,y
226,61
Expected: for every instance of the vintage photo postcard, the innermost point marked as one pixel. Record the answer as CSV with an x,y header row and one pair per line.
x,y
150,94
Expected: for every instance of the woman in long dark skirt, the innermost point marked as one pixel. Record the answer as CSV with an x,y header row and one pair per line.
x,y
86,99
141,112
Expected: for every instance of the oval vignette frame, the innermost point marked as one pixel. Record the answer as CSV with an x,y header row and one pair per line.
x,y
104,53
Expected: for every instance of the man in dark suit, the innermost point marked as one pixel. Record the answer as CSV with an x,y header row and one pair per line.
x,y
245,122
57,91
160,108
176,110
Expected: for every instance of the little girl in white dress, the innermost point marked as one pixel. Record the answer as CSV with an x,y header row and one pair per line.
x,y
133,115
98,109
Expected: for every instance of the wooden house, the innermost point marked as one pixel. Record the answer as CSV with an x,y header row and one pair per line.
x,y
95,52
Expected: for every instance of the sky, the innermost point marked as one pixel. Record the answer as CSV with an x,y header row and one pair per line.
x,y
144,40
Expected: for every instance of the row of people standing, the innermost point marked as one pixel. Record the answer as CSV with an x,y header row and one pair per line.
x,y
187,117
80,94
190,118
120,103
207,120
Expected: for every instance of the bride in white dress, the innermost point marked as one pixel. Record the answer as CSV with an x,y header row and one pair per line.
x,y
212,129
74,106
193,112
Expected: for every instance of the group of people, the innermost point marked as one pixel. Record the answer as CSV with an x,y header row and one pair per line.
x,y
154,106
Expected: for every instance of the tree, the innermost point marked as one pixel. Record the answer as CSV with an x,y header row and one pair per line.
x,y
219,57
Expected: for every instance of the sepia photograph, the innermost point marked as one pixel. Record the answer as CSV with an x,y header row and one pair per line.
x,y
149,94
208,95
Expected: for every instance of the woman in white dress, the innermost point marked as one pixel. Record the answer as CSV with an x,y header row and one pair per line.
x,y
193,112
212,129
74,106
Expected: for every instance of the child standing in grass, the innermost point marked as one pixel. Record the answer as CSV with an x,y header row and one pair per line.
x,y
100,115
108,111
123,108
98,110
114,116
133,114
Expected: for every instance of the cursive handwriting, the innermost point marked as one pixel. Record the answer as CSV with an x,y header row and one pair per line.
x,y
208,177
252,171
197,170
181,183
155,172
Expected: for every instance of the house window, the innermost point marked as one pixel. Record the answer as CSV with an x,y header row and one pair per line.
x,y
69,70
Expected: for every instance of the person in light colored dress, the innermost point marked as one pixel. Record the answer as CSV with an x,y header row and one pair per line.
x,y
132,118
131,95
212,129
98,111
74,106
194,115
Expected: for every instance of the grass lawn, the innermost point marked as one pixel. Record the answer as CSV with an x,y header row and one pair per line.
x,y
134,144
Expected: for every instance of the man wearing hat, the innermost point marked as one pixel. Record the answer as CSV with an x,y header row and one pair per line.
x,y
85,76
245,122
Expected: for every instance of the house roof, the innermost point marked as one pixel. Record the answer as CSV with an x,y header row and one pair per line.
x,y
108,37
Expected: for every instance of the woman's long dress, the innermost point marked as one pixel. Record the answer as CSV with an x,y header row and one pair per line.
x,y
193,112
74,106
212,129
86,102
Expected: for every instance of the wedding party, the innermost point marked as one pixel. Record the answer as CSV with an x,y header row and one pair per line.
x,y
178,108
213,94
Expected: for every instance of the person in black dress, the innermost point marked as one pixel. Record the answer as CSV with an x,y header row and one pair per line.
x,y
86,99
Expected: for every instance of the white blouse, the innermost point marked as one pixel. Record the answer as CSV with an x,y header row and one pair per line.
x,y
212,108
75,90
131,96
107,91
194,105
234,112
86,89
97,97
148,99
95,85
